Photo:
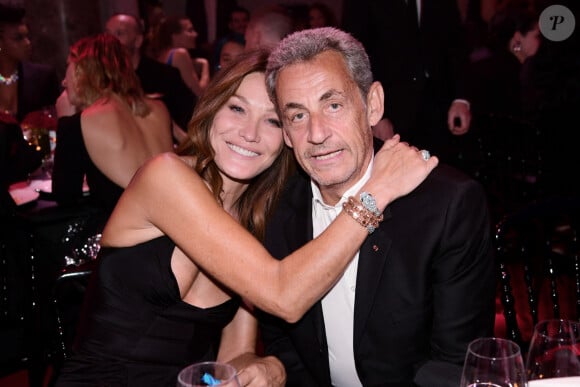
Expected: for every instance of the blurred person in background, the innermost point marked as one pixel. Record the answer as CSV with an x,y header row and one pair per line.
x,y
24,86
321,15
419,54
107,127
157,79
267,26
496,80
170,44
237,24
230,50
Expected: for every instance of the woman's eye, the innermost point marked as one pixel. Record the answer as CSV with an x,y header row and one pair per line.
x,y
236,109
275,122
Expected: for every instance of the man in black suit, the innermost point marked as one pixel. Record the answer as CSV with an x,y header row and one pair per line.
x,y
156,77
418,52
422,285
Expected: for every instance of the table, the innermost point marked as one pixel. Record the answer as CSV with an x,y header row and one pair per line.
x,y
35,239
555,382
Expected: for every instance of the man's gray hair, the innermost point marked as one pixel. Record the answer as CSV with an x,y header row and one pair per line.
x,y
304,45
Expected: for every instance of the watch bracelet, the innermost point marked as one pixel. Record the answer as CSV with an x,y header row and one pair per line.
x,y
359,212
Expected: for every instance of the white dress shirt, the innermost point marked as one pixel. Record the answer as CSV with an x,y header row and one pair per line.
x,y
338,303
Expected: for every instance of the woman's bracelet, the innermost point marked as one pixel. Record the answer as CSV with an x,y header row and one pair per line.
x,y
360,211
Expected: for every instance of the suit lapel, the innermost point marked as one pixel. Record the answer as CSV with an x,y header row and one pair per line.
x,y
298,231
372,259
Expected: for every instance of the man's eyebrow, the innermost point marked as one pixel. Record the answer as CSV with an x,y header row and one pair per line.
x,y
331,93
326,96
293,105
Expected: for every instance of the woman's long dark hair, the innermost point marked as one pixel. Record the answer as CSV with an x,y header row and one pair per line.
x,y
257,202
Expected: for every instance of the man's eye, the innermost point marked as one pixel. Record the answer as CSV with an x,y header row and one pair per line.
x,y
297,117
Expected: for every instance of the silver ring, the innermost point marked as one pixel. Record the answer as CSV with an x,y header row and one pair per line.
x,y
425,154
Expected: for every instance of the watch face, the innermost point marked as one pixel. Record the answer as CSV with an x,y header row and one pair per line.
x,y
369,202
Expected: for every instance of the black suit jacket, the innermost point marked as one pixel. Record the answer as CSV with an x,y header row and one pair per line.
x,y
422,70
38,88
425,287
157,77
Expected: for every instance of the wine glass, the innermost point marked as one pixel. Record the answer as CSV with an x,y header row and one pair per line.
x,y
208,373
555,352
492,361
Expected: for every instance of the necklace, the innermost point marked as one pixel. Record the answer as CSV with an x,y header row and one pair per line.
x,y
9,80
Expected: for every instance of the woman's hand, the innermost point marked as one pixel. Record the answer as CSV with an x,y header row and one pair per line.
x,y
397,170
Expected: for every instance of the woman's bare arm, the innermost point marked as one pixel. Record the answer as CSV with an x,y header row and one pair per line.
x,y
167,197
185,64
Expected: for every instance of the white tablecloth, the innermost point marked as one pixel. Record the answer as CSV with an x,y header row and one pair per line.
x,y
28,191
555,382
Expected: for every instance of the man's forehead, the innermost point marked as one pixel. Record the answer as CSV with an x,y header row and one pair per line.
x,y
123,22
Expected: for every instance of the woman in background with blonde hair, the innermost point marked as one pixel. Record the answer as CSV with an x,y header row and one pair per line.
x,y
107,128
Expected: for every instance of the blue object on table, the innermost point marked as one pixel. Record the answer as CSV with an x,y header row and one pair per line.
x,y
210,380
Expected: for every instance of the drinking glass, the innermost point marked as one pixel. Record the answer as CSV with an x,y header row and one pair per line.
x,y
554,351
491,361
208,374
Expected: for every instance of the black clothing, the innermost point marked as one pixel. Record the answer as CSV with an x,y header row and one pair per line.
x,y
135,330
38,88
157,77
422,69
17,157
72,162
495,86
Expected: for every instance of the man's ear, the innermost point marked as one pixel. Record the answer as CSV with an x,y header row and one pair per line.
x,y
375,103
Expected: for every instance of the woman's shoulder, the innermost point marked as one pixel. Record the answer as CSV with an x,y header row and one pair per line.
x,y
105,113
180,55
156,105
167,166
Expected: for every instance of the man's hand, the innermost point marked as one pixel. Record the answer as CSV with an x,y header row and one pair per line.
x,y
263,372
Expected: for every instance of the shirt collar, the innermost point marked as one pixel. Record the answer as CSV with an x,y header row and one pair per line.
x,y
317,196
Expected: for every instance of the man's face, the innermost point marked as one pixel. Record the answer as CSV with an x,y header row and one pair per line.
x,y
123,28
325,122
239,22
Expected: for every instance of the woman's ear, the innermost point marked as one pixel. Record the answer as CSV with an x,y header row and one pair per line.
x,y
375,103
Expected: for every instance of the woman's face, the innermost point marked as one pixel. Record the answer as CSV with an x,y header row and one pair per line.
x,y
229,52
70,83
246,133
186,38
15,42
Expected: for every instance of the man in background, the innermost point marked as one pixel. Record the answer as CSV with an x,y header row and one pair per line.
x,y
156,78
418,53
267,26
